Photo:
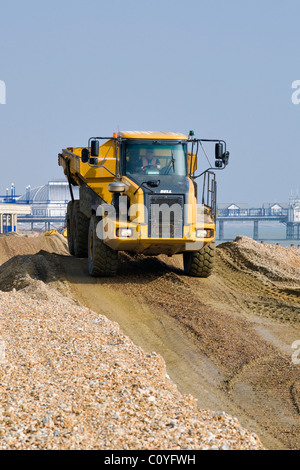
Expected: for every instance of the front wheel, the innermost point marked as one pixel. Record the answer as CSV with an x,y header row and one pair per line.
x,y
80,226
102,260
200,263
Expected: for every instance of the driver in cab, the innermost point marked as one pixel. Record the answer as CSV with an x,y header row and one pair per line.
x,y
148,161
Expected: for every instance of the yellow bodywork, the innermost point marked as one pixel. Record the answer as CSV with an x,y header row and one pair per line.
x,y
152,135
49,233
97,177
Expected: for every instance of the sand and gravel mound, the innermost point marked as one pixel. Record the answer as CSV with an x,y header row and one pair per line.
x,y
266,262
38,271
14,244
70,379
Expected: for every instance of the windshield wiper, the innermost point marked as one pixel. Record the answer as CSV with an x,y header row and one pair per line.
x,y
171,164
151,183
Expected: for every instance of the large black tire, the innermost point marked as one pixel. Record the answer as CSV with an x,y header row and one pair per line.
x,y
70,234
103,261
80,227
200,263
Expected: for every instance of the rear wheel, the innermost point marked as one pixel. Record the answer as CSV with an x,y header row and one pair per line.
x,y
103,261
80,226
200,263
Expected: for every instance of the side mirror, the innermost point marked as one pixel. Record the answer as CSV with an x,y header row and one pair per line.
x,y
85,155
219,151
225,158
116,187
94,148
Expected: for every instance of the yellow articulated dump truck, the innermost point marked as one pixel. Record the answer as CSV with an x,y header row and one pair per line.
x,y
142,192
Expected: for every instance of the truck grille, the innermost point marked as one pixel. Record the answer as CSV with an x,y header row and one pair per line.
x,y
166,217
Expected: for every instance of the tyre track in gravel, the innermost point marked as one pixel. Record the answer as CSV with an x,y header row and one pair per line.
x,y
226,339
217,347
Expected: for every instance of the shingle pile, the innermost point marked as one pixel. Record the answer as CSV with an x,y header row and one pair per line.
x,y
70,379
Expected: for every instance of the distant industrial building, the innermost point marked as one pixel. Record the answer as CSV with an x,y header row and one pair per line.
x,y
48,204
9,214
10,211
277,208
243,210
232,209
49,200
293,225
285,213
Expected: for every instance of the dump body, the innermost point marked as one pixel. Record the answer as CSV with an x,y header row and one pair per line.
x,y
140,190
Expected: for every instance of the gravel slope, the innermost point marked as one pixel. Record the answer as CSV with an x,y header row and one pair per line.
x,y
70,379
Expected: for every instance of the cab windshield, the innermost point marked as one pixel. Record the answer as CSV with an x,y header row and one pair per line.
x,y
155,159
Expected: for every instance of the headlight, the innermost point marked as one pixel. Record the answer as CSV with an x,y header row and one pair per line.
x,y
200,233
124,232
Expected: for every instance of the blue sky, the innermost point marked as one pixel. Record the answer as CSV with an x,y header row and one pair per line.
x,y
224,69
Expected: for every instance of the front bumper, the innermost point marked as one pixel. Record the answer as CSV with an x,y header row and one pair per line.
x,y
140,242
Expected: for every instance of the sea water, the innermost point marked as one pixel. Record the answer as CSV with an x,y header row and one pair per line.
x,y
269,232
